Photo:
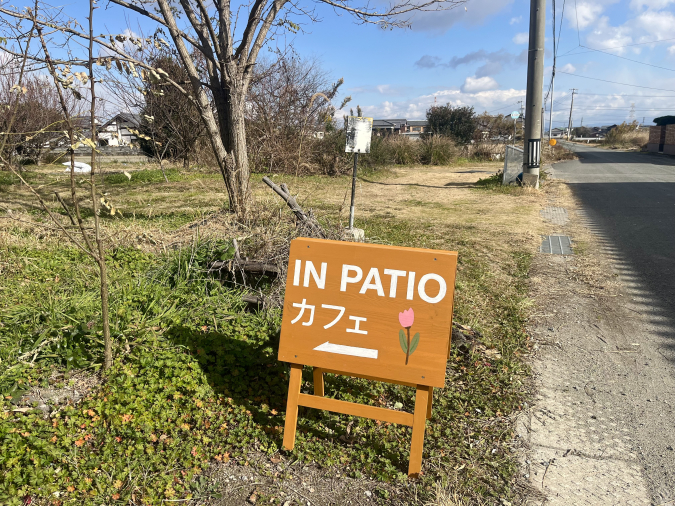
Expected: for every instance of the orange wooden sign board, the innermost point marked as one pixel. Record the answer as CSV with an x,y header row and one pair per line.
x,y
370,311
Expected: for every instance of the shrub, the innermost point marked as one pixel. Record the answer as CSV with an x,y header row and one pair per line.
x,y
438,151
459,123
626,135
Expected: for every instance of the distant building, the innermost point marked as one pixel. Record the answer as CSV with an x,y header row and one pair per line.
x,y
410,128
115,131
387,126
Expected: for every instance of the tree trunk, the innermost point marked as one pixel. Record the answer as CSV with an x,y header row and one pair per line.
x,y
237,160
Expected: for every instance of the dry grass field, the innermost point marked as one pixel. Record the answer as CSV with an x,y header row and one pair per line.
x,y
172,320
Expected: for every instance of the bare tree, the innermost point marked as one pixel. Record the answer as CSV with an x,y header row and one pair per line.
x,y
90,243
171,122
288,101
38,116
228,53
493,127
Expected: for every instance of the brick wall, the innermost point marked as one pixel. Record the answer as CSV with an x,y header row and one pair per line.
x,y
669,144
654,134
670,135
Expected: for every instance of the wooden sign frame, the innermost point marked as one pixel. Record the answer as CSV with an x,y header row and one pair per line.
x,y
416,420
298,344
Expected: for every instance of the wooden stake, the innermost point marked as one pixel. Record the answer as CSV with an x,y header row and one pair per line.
x,y
419,426
292,406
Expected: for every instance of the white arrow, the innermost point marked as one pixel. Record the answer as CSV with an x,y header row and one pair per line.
x,y
347,350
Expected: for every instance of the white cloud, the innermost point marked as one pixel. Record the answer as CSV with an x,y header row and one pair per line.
x,y
586,14
417,108
441,21
645,27
605,36
659,25
521,38
383,88
649,4
475,84
671,50
516,20
568,67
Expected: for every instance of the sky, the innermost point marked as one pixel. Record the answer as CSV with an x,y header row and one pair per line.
x,y
478,57
618,54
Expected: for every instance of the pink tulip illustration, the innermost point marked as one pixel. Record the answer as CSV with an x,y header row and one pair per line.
x,y
406,319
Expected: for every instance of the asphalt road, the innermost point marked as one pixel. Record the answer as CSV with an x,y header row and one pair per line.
x,y
629,200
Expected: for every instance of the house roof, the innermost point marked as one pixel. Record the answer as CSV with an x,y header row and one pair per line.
x,y
388,123
125,117
418,122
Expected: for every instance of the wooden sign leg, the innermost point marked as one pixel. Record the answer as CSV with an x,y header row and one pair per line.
x,y
419,426
318,382
431,400
292,406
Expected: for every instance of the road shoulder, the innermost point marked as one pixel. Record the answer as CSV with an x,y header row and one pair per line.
x,y
582,433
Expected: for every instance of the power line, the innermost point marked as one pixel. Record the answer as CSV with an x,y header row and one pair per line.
x,y
615,82
562,16
623,58
626,108
577,14
616,47
617,95
502,108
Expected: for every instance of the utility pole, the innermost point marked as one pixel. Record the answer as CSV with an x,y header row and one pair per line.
x,y
550,111
533,100
569,125
522,116
541,133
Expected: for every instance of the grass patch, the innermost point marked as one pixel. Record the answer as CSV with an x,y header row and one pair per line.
x,y
143,177
196,380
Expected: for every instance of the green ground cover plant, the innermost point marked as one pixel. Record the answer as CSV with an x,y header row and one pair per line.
x,y
196,382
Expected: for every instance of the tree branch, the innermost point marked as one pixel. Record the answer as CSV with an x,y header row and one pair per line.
x,y
406,7
157,19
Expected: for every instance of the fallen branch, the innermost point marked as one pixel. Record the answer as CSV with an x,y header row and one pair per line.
x,y
297,210
249,266
243,264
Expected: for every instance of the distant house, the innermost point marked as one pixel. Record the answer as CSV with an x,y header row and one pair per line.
x,y
115,131
387,126
416,126
558,133
410,128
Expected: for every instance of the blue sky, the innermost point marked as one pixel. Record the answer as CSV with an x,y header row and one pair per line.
x,y
476,55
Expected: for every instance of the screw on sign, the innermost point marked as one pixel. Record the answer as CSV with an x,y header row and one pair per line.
x,y
369,311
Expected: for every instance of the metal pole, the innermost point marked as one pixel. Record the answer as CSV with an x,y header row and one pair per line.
x,y
535,81
550,111
351,208
514,131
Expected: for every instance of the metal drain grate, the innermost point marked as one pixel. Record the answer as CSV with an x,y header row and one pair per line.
x,y
556,215
556,245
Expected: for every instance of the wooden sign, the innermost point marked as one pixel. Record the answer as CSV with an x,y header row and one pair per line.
x,y
369,311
